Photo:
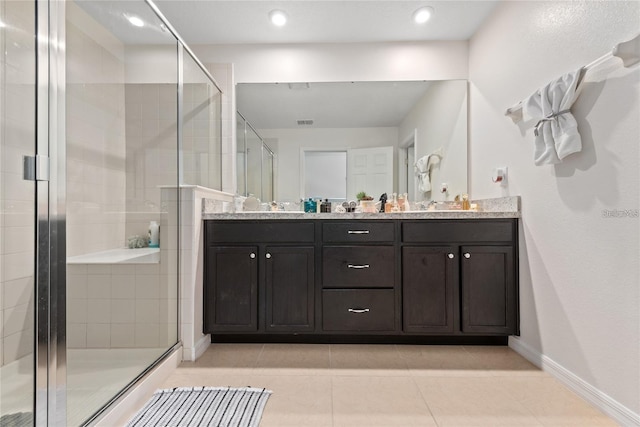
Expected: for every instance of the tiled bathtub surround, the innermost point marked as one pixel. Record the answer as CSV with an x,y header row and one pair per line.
x,y
120,305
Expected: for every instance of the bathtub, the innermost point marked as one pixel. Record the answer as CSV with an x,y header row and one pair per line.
x,y
119,256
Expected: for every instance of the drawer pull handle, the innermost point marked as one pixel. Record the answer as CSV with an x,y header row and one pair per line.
x,y
358,310
358,231
358,267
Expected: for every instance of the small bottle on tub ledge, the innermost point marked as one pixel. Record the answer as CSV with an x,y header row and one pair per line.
x,y
154,235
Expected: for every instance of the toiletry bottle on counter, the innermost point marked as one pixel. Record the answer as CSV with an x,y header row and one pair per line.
x,y
465,202
325,207
154,235
310,206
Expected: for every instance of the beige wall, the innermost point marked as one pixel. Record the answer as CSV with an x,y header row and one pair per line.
x,y
436,60
579,269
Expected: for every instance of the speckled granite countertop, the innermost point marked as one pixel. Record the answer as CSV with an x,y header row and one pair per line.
x,y
505,207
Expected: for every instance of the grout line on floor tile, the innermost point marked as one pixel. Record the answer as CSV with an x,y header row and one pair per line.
x,y
424,399
257,361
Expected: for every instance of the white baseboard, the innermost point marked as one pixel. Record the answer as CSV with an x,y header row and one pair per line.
x,y
591,394
202,345
135,399
192,354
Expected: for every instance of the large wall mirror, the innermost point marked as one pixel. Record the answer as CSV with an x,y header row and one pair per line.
x,y
362,136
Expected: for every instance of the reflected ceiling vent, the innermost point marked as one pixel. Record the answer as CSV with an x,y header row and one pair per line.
x,y
307,122
299,86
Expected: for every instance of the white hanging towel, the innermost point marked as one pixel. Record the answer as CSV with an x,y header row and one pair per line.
x,y
556,133
423,169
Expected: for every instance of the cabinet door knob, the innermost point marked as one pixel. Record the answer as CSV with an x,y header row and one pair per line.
x,y
358,267
467,255
358,310
450,256
268,255
252,255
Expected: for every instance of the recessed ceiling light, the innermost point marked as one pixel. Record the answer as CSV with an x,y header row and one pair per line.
x,y
278,18
135,21
423,14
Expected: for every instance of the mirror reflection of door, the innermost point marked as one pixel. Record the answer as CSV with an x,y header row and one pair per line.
x,y
370,170
407,180
410,171
341,175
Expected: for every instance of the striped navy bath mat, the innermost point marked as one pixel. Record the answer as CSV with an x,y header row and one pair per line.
x,y
203,406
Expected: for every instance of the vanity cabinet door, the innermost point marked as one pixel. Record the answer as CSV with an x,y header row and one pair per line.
x,y
489,291
231,289
290,287
427,288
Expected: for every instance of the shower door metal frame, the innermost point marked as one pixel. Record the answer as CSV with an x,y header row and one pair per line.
x,y
50,262
50,352
50,199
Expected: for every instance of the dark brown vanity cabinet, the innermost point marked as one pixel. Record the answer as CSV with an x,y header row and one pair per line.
x,y
289,288
231,289
259,276
488,290
435,277
428,282
359,277
460,277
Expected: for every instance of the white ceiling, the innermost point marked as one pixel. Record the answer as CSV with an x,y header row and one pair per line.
x,y
310,21
322,21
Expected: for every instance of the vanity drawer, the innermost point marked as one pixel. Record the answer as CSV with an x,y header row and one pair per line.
x,y
454,231
358,266
358,310
359,231
260,231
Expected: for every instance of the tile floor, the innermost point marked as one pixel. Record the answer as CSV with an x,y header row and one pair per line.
x,y
391,385
94,376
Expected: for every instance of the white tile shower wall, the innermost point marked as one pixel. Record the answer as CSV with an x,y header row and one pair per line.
x,y
121,305
223,74
17,71
201,136
191,268
151,152
95,127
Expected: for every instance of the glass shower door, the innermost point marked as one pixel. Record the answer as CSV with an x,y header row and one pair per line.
x,y
17,212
